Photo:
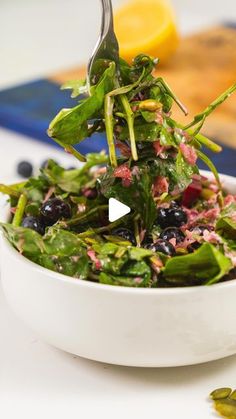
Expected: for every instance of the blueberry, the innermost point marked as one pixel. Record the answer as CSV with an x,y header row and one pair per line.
x,y
162,246
35,223
178,217
193,246
54,209
24,169
172,233
174,204
90,193
199,229
173,216
162,217
148,241
125,234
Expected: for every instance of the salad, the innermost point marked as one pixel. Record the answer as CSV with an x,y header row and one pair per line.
x,y
182,227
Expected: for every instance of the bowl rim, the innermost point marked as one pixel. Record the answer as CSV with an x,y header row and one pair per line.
x,y
119,288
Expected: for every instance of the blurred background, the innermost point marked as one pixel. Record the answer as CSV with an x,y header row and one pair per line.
x,y
42,44
39,37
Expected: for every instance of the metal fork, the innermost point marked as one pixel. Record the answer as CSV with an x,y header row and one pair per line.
x,y
107,47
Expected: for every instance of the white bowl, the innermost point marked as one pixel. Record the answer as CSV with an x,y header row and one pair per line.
x,y
119,325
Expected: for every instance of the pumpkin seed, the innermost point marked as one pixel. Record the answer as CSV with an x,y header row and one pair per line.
x,y
150,105
233,395
220,393
227,408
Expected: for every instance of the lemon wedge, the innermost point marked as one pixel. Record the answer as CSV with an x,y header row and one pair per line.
x,y
146,26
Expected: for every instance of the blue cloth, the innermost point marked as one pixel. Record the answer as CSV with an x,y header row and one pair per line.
x,y
30,107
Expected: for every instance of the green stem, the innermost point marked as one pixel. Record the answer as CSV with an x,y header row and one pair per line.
x,y
211,145
130,122
209,109
109,104
211,166
8,190
168,90
20,209
206,142
85,215
136,232
71,150
99,229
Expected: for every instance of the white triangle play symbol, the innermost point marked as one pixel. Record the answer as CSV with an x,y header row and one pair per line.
x,y
117,210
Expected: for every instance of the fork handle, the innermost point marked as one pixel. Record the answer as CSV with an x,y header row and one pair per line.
x,y
107,16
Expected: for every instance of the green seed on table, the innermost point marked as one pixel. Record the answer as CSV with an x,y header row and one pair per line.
x,y
220,393
233,395
227,408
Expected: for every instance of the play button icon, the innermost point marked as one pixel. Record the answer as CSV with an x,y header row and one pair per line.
x,y
117,210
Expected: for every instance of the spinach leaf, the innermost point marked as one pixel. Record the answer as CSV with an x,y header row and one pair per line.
x,y
70,126
62,243
59,250
135,274
74,266
26,241
184,172
207,265
229,210
78,87
166,138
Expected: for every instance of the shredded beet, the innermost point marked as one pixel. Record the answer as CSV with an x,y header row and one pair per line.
x,y
160,185
92,255
189,153
123,171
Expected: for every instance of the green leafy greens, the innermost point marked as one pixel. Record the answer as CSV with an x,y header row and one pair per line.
x,y
156,165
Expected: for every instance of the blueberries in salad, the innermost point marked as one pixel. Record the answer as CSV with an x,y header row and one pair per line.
x,y
182,227
35,223
173,233
52,210
162,246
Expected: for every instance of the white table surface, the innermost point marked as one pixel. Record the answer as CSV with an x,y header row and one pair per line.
x,y
36,380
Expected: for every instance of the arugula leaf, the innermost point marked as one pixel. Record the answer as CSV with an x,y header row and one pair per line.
x,y
144,131
72,180
227,227
35,188
207,265
138,196
70,126
200,118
